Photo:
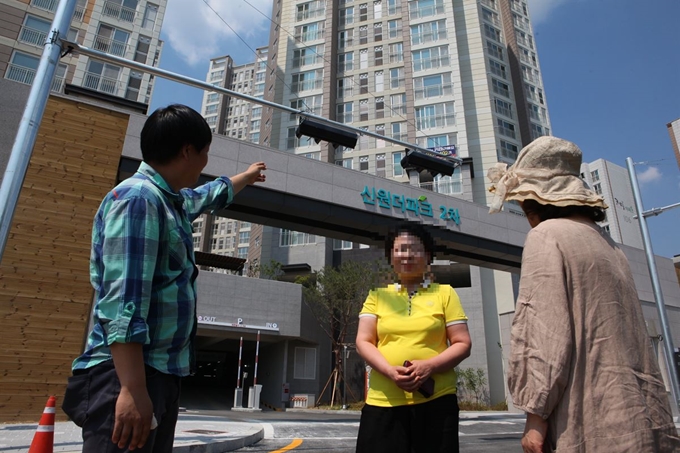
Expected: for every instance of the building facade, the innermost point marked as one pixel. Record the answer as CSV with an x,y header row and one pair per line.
x,y
126,28
613,183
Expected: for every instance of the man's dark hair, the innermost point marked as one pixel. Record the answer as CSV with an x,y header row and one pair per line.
x,y
413,229
169,129
548,211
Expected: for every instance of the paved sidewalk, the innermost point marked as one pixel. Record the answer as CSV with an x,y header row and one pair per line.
x,y
207,434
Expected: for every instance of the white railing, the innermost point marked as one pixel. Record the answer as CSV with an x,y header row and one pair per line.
x,y
429,63
31,36
46,5
119,12
426,11
445,187
432,121
100,83
26,75
310,13
109,45
525,42
490,3
434,91
79,13
422,38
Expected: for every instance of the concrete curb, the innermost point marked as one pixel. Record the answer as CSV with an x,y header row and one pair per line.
x,y
221,446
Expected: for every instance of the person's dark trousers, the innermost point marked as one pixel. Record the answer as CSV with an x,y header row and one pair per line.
x,y
430,427
90,401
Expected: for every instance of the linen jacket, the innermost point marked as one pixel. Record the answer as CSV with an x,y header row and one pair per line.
x,y
581,356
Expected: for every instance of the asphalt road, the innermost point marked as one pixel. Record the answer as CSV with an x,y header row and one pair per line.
x,y
316,432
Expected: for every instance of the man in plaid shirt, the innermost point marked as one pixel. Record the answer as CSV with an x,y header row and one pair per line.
x,y
125,387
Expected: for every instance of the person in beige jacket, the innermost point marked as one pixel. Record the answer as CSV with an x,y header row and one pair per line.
x,y
581,364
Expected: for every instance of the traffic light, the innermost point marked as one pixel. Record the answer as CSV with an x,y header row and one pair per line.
x,y
319,131
435,162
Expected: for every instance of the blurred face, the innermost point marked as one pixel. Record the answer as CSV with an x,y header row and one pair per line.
x,y
409,258
532,217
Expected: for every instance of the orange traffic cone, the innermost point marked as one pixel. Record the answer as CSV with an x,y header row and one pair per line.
x,y
43,441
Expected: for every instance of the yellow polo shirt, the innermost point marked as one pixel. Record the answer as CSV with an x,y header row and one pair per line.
x,y
418,335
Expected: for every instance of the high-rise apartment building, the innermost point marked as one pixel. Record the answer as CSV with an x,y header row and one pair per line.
x,y
613,183
127,28
461,73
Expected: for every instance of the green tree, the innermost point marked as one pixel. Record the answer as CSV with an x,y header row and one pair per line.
x,y
473,381
335,297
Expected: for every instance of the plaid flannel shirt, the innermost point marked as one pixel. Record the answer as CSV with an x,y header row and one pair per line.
x,y
143,270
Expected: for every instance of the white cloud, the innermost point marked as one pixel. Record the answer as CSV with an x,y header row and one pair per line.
x,y
541,9
652,174
195,31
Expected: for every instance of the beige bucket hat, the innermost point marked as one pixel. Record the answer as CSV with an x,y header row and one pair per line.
x,y
547,170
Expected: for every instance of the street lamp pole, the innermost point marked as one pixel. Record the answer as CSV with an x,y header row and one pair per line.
x,y
656,285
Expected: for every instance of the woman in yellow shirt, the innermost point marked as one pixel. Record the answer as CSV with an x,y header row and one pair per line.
x,y
412,334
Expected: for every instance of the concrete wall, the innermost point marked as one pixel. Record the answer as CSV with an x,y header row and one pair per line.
x,y
14,96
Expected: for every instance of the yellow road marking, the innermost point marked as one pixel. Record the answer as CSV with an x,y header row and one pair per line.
x,y
296,443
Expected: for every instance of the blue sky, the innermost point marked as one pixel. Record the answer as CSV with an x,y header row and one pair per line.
x,y
611,70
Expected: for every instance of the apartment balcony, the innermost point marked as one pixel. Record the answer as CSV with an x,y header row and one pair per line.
x,y
119,12
443,187
309,36
310,14
430,63
522,25
434,91
489,3
101,83
25,75
435,121
32,37
516,7
45,5
525,42
109,45
427,11
79,13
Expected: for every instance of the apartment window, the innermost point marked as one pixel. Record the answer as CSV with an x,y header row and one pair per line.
x,y
307,104
123,10
210,109
393,7
363,12
134,84
490,16
305,81
432,58
397,169
435,115
244,226
102,77
309,32
363,139
396,78
22,69
220,244
428,32
346,16
379,81
256,112
363,110
345,87
399,131
377,32
505,128
595,174
363,34
380,108
597,188
305,363
293,141
508,150
363,59
492,33
303,57
434,141
309,10
347,163
363,83
142,50
363,163
150,14
501,88
396,51
449,185
242,252
538,131
497,68
425,8
346,61
345,38
380,162
377,9
378,56
494,50
244,237
111,40
398,104
34,31
433,86
291,238
394,28
342,245
344,113
197,242
503,107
